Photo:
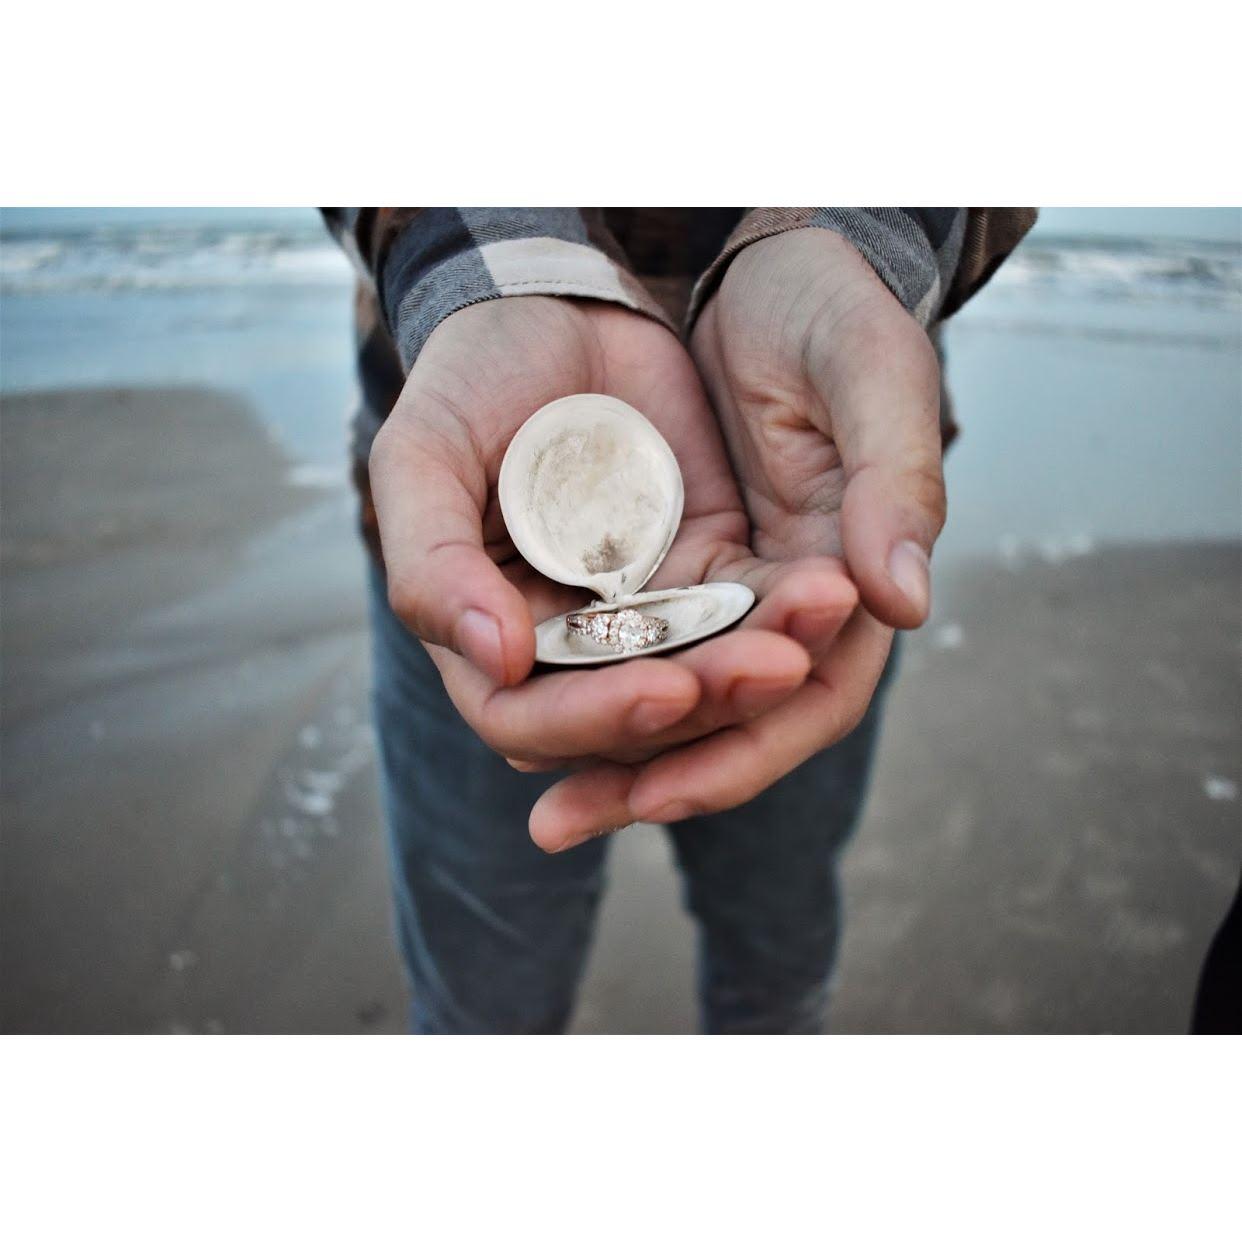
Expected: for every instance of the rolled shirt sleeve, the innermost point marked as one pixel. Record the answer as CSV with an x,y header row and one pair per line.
x,y
426,263
917,252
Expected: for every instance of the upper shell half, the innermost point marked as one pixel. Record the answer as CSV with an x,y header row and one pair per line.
x,y
591,494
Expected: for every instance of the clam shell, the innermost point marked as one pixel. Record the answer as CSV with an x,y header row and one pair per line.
x,y
592,497
591,494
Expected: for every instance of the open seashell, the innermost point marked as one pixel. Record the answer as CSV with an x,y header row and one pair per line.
x,y
592,497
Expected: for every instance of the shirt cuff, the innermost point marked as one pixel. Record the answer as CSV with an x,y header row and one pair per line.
x,y
913,250
447,258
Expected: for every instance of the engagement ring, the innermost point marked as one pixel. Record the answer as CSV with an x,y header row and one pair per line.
x,y
627,630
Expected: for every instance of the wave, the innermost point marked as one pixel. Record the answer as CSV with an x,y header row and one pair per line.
x,y
1202,271
119,257
168,258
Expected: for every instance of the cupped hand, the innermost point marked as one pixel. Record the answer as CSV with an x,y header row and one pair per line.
x,y
827,392
456,581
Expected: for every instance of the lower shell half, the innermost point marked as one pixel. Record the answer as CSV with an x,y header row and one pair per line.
x,y
692,613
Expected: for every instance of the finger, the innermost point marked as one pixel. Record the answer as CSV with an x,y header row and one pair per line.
x,y
582,806
559,716
884,398
810,600
729,767
889,523
430,493
734,765
741,675
748,672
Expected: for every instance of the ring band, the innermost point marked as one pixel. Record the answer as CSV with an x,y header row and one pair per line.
x,y
626,630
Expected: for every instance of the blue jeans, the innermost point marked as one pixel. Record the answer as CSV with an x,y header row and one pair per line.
x,y
494,932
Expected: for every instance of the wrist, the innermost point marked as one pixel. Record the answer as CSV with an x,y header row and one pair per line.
x,y
449,259
780,293
914,252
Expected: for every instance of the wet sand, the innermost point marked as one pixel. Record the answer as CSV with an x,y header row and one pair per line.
x,y
190,831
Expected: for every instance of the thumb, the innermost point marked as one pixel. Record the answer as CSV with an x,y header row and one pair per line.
x,y
885,410
889,522
430,494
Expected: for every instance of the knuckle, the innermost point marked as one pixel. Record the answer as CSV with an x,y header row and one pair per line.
x,y
927,490
839,711
747,776
506,727
722,800
406,600
849,714
495,737
736,793
850,720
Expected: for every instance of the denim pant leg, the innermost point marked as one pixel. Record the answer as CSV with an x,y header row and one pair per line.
x,y
493,931
761,882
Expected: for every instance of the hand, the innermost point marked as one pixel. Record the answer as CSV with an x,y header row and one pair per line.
x,y
456,581
827,392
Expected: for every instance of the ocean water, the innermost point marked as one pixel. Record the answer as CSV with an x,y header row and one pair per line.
x,y
1097,380
255,303
1098,384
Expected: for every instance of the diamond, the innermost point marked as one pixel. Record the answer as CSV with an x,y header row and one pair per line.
x,y
631,630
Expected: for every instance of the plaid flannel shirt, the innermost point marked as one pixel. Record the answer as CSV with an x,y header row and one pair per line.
x,y
417,265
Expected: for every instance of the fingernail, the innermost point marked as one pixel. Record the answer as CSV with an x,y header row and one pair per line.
x,y
669,812
573,842
652,715
530,765
907,566
478,638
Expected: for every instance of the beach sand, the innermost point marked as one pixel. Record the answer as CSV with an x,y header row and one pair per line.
x,y
191,837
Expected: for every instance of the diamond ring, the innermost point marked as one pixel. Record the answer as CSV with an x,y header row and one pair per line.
x,y
626,630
